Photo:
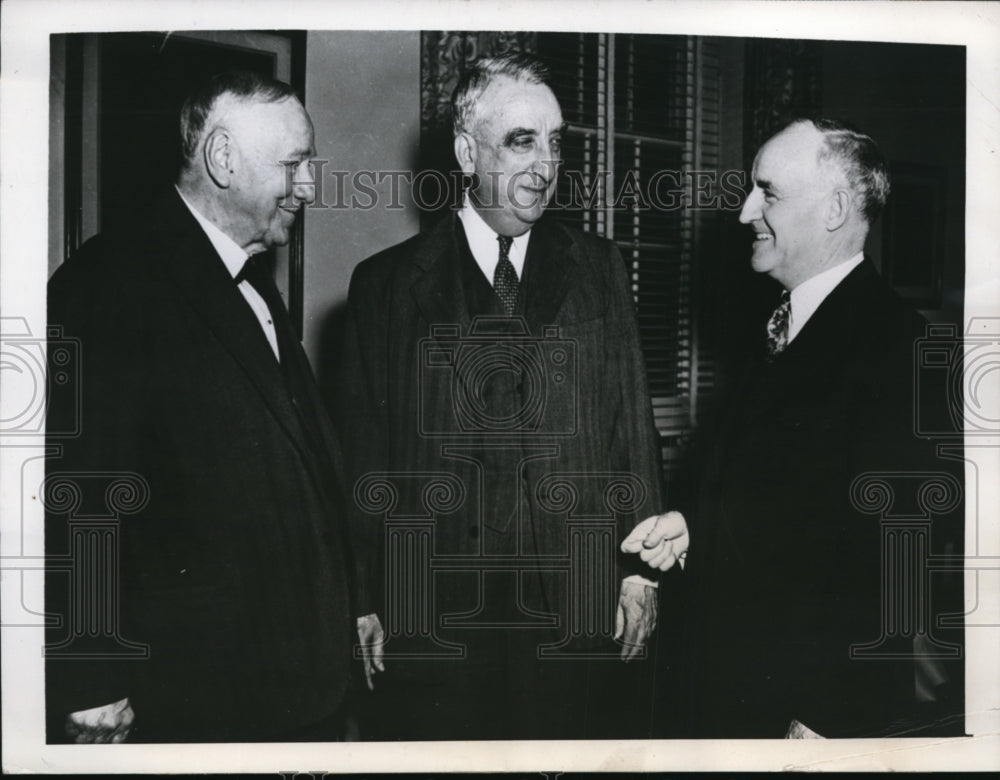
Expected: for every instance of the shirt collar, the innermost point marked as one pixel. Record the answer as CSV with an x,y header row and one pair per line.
x,y
808,296
232,254
484,245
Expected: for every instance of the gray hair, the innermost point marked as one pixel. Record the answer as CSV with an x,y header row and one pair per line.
x,y
478,77
244,85
861,161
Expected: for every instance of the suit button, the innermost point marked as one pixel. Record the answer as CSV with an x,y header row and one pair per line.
x,y
474,531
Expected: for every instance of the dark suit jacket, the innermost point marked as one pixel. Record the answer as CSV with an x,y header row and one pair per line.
x,y
786,571
234,572
410,411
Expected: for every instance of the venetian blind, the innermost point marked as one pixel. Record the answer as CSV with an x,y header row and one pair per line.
x,y
642,114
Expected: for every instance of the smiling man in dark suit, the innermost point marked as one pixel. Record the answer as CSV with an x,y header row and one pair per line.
x,y
497,355
235,571
787,563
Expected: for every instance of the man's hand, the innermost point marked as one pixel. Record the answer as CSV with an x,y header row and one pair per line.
x,y
636,618
798,730
660,540
371,636
110,723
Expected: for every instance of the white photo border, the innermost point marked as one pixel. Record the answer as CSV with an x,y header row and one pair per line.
x,y
24,152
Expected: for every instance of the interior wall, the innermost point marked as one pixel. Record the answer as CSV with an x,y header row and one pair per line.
x,y
363,94
911,100
735,301
57,149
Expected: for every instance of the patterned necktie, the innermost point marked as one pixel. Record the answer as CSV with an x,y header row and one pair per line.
x,y
777,326
505,277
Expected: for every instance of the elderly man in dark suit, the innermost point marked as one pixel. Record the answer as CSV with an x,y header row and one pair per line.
x,y
788,565
494,390
234,564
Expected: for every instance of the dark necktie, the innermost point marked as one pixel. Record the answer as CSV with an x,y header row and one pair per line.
x,y
777,326
505,277
255,272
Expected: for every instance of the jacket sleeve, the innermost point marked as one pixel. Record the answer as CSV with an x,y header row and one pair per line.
x,y
94,437
635,445
362,417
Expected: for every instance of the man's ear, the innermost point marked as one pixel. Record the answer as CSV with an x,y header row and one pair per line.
x,y
219,155
839,208
465,153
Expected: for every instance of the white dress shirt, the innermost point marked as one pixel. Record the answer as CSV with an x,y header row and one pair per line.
x,y
234,257
807,297
484,245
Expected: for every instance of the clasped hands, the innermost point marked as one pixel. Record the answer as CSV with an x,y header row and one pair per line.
x,y
660,540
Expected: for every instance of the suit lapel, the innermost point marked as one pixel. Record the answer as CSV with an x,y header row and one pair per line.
x,y
768,393
193,266
549,271
438,290
834,325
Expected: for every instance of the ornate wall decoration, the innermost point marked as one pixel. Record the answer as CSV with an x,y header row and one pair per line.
x,y
783,81
444,57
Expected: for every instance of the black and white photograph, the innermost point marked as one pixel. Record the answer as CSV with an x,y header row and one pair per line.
x,y
509,386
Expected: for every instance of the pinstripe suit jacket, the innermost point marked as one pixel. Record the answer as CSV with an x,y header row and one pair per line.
x,y
532,429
